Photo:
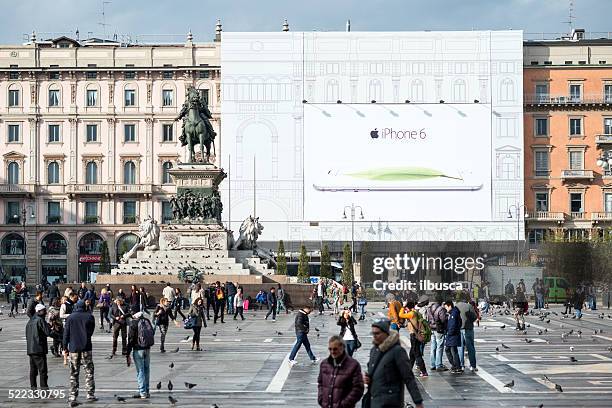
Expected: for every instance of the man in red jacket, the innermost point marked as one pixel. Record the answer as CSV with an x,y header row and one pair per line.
x,y
340,380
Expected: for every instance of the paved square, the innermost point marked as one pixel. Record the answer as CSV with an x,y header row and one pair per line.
x,y
245,363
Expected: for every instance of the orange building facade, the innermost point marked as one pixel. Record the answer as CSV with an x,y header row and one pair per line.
x,y
567,129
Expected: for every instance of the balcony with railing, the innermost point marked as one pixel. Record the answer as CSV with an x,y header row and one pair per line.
x,y
567,100
108,189
13,219
578,216
91,219
576,174
603,139
17,189
129,219
545,216
601,216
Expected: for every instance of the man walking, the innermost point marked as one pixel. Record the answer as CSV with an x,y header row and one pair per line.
x,y
436,316
272,303
302,327
119,315
468,317
140,339
453,337
80,326
37,331
340,380
230,289
388,370
169,294
219,302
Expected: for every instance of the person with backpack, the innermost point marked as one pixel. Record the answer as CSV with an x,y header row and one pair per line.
x,y
141,338
468,317
197,320
453,336
420,334
436,316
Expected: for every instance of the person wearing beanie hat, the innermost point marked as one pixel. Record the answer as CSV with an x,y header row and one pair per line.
x,y
37,330
388,370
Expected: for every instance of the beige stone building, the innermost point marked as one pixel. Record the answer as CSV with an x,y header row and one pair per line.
x,y
87,134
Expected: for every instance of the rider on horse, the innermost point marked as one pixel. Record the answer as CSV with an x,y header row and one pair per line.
x,y
193,97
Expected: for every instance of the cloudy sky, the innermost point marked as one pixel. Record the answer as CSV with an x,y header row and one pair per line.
x,y
139,18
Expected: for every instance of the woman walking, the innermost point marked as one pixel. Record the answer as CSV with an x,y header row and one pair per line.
x,y
196,311
162,319
239,303
179,300
347,331
104,303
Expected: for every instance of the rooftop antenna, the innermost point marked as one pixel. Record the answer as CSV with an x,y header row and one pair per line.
x,y
348,25
571,18
103,23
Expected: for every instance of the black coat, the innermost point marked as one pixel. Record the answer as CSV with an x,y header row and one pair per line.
x,y
350,323
31,308
79,328
37,331
453,328
116,313
389,370
302,323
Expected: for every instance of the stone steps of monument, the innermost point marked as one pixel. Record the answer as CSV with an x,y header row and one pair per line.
x,y
177,266
185,254
182,262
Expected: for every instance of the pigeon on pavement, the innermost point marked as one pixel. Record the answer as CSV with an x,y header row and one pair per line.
x,y
189,385
170,386
171,365
510,384
173,401
558,388
504,346
176,350
158,386
120,399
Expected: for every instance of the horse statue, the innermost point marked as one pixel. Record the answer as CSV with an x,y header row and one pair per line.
x,y
197,128
149,238
250,229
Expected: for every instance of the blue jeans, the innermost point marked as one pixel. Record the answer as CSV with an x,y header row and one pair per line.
x,y
142,360
302,338
362,311
230,304
350,347
539,301
437,348
467,342
578,313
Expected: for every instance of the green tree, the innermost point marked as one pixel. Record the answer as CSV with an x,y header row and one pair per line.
x,y
104,258
303,274
281,259
325,263
347,266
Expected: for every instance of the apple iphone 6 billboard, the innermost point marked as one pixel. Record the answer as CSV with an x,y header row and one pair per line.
x,y
437,157
409,162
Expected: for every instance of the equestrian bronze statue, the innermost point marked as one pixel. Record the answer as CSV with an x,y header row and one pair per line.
x,y
197,128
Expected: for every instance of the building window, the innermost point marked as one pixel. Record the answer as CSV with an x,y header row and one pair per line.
x,y
91,212
91,75
129,75
607,126
541,163
91,173
13,173
506,90
541,91
416,91
375,90
13,75
92,133
575,91
129,212
541,202
576,159
608,93
54,97
167,97
13,133
576,202
92,97
167,75
13,212
54,133
459,93
53,173
166,177
608,202
53,212
54,75
167,132
541,127
537,235
13,97
129,173
204,96
130,97
129,132
332,92
575,125
166,212
204,74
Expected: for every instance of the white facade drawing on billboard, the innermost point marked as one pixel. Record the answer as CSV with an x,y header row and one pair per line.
x,y
276,146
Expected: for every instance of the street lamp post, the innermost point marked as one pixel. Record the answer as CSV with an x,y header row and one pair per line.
x,y
353,209
380,229
517,208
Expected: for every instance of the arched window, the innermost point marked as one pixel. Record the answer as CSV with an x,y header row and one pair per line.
x,y
13,244
166,177
53,244
375,90
53,173
459,92
129,173
506,90
332,91
13,173
416,90
90,244
91,173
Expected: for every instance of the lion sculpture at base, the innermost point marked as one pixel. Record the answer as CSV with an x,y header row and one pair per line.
x,y
149,238
249,232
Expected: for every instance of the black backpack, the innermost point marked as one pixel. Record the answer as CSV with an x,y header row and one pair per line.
x,y
146,335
